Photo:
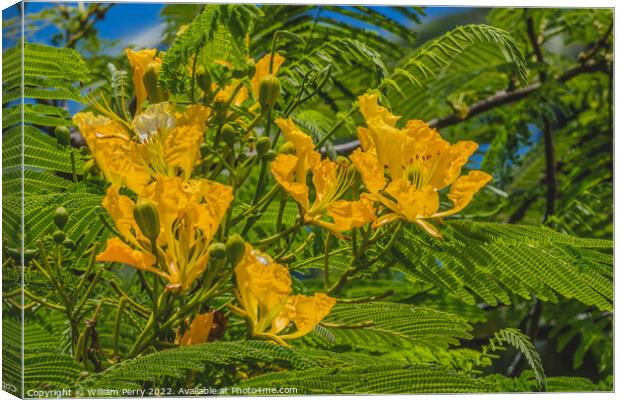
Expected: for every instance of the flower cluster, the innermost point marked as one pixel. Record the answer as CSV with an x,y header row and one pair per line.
x,y
167,216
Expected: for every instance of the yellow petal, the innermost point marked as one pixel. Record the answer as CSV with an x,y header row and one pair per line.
x,y
214,199
139,60
262,70
325,179
198,331
262,284
351,214
120,208
309,311
304,148
450,163
182,148
283,170
370,168
413,203
370,109
112,150
463,189
117,251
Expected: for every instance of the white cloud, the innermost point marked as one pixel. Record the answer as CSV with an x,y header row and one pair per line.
x,y
148,37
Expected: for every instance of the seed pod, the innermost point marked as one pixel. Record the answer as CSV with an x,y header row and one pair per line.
x,y
63,135
217,250
203,79
61,217
287,148
235,247
263,145
146,216
151,75
59,237
268,92
229,135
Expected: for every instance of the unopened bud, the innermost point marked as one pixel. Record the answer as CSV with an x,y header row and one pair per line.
x,y
287,148
229,135
268,92
70,244
63,135
90,168
263,145
270,155
59,237
342,160
217,250
235,248
204,149
146,216
61,217
250,67
203,79
151,75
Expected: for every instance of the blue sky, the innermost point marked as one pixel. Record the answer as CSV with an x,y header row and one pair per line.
x,y
139,24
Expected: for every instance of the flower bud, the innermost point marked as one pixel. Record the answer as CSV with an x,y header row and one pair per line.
x,y
229,135
59,237
263,145
235,248
70,244
250,67
217,250
146,216
61,217
204,149
270,155
287,148
151,75
268,92
63,135
90,168
203,79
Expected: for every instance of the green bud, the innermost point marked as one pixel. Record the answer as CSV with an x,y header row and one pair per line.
x,y
287,148
204,149
235,247
70,244
268,92
203,79
217,250
263,145
59,237
146,216
229,135
154,92
250,67
90,168
61,217
270,155
63,135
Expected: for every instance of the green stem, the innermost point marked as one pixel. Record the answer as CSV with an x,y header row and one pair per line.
x,y
280,234
326,260
117,325
89,290
329,134
73,167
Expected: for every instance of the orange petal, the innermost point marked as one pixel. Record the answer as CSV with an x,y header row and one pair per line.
x,y
309,311
351,214
283,169
117,251
370,168
198,331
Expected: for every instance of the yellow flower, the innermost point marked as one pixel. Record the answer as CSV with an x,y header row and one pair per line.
x,y
139,60
162,141
264,295
189,214
113,150
330,180
405,168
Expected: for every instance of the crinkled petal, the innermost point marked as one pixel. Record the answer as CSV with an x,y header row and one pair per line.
x,y
463,189
117,251
308,312
370,168
283,169
198,331
351,214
